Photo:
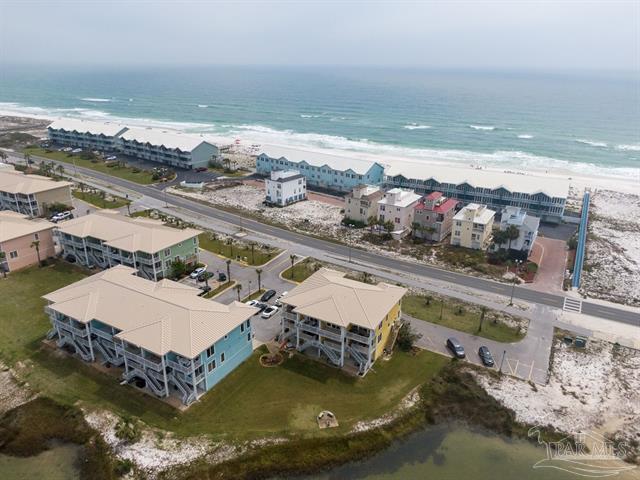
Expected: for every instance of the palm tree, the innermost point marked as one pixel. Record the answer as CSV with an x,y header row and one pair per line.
x,y
366,277
372,221
27,159
3,156
228,262
230,243
238,287
512,233
36,244
259,273
416,227
253,246
292,257
483,312
60,169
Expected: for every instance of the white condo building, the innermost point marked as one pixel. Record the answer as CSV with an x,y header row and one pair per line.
x,y
285,187
397,207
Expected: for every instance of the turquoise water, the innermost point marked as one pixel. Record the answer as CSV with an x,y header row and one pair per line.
x,y
586,123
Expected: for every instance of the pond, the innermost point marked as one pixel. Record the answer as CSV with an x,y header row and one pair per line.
x,y
454,452
57,463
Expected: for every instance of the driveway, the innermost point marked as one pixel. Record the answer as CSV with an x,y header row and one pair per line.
x,y
551,256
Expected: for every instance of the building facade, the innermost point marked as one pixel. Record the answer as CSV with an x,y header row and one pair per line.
x,y
86,134
169,148
321,170
472,227
397,206
527,226
31,194
285,187
104,239
346,322
18,237
162,334
433,217
544,197
361,203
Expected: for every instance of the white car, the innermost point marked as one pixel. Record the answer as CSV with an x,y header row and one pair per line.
x,y
278,301
197,272
60,216
269,312
112,157
251,303
76,150
67,149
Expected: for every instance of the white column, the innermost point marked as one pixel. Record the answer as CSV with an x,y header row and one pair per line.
x,y
193,378
88,329
164,374
343,331
86,255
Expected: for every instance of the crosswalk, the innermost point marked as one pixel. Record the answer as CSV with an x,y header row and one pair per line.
x,y
572,305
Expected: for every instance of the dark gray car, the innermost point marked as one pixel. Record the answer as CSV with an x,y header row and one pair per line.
x,y
456,347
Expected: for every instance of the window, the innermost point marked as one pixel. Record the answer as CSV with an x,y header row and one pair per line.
x,y
211,366
13,254
226,337
241,327
195,240
248,337
199,370
210,351
167,252
35,235
222,357
248,323
167,263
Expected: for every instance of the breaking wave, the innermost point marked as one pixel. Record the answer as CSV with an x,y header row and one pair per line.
x,y
415,126
591,143
525,136
95,100
482,127
628,148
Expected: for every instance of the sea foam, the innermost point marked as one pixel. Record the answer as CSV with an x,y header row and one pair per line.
x,y
591,143
525,136
628,148
96,100
482,127
415,126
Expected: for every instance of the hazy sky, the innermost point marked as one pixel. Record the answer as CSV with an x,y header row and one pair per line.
x,y
506,34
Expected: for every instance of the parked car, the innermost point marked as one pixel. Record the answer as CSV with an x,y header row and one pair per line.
x,y
222,277
268,295
251,303
111,158
76,150
485,356
197,272
456,347
261,306
201,169
269,312
204,276
60,216
278,301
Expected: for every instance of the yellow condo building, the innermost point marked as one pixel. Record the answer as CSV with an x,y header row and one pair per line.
x,y
344,321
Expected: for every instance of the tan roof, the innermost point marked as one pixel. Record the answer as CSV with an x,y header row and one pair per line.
x,y
159,317
16,225
12,181
126,233
328,296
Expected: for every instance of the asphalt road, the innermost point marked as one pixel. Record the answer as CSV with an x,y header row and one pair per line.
x,y
557,301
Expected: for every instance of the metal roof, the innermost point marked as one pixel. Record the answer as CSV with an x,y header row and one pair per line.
x,y
12,181
16,225
107,129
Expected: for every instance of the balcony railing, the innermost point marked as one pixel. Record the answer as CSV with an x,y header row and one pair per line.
x,y
359,338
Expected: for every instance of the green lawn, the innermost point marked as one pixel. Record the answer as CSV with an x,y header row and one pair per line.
x,y
229,173
459,316
254,296
260,255
219,289
127,173
96,199
252,401
301,270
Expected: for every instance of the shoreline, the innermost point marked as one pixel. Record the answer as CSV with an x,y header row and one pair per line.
x,y
578,181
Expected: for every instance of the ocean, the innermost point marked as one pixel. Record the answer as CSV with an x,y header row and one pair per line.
x,y
586,123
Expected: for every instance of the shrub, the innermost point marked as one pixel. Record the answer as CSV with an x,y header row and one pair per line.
x,y
123,467
178,268
407,337
128,430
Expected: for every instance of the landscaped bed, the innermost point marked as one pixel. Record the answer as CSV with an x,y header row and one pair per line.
x,y
302,270
465,317
125,172
99,200
249,253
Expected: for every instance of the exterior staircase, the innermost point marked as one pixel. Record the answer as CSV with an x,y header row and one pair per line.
x,y
333,357
188,397
358,357
108,352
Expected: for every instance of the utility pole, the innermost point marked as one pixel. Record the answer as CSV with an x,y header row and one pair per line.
x,y
504,354
513,288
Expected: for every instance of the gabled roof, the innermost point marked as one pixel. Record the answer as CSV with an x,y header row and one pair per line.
x,y
16,225
107,129
13,181
319,159
129,234
169,139
328,296
159,317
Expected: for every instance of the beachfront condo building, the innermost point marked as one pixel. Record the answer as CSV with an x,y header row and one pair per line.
x,y
398,207
23,240
285,187
31,194
102,136
433,217
346,322
472,227
165,337
361,204
169,148
542,196
526,225
325,171
104,239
